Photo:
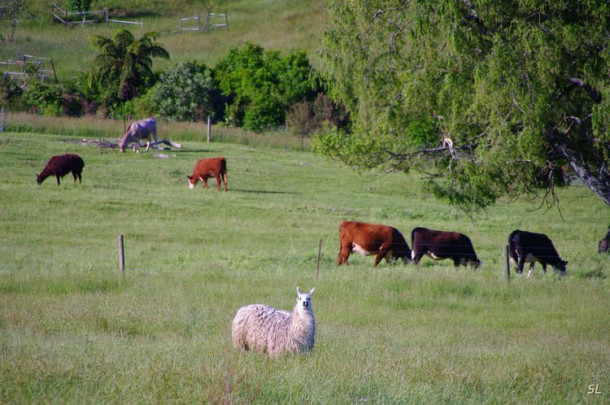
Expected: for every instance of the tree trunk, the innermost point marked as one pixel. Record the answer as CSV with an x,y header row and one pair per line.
x,y
599,183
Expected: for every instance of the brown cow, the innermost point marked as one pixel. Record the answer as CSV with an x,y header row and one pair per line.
x,y
60,165
533,247
372,239
441,245
206,168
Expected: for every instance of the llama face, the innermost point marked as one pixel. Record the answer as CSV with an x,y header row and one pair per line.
x,y
304,299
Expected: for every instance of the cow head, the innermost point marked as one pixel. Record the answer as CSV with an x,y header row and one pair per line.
x,y
192,181
560,267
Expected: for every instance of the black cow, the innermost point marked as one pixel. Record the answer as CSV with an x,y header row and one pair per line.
x,y
533,247
604,244
443,245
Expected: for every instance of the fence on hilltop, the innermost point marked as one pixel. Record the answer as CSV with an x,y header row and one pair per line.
x,y
85,17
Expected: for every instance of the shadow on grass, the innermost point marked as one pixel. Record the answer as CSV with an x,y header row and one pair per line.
x,y
239,190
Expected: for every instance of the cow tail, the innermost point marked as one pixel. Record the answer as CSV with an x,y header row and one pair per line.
x,y
512,251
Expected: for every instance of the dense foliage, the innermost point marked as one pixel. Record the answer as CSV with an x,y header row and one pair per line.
x,y
489,98
262,85
125,64
185,92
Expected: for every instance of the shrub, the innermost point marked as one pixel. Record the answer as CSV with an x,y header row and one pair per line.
x,y
185,92
260,86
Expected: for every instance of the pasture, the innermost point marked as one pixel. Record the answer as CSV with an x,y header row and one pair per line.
x,y
73,331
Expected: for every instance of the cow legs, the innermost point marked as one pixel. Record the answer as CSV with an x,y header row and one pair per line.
x,y
344,252
204,181
57,177
218,181
224,176
529,273
383,252
521,264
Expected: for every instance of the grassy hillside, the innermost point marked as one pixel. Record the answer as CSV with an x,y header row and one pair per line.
x,y
275,24
71,331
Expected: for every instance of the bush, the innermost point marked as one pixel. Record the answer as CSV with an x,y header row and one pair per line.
x,y
260,86
185,92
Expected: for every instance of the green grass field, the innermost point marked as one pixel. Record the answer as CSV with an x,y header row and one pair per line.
x,y
73,331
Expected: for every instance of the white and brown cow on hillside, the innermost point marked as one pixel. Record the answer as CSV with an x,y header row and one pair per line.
x,y
533,247
207,168
137,130
441,245
372,239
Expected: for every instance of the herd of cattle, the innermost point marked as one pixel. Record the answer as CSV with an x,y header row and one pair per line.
x,y
385,242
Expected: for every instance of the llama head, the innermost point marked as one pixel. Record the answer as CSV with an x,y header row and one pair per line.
x,y
304,299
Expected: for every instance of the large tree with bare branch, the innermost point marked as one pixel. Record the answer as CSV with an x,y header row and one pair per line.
x,y
487,97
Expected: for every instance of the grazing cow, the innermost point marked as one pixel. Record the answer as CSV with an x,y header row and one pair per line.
x,y
61,165
206,168
372,239
138,130
441,245
533,247
604,244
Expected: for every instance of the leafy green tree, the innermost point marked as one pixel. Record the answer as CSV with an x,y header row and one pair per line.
x,y
488,98
185,92
11,10
262,85
78,5
125,64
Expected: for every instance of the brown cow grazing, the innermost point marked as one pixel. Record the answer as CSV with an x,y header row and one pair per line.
x,y
372,239
61,165
206,168
441,245
138,130
533,247
604,244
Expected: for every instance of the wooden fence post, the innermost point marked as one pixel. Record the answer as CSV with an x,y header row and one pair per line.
x,y
121,257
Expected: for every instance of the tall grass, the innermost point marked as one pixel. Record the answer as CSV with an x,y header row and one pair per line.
x,y
73,331
111,130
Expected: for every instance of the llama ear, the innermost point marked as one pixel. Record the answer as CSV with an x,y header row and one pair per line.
x,y
311,292
299,291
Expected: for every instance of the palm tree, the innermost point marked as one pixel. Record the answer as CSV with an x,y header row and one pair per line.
x,y
125,62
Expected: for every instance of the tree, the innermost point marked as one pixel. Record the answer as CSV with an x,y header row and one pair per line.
x,y
261,85
11,10
488,98
125,63
185,92
78,6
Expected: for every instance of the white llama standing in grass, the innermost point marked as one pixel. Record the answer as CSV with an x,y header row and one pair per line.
x,y
272,331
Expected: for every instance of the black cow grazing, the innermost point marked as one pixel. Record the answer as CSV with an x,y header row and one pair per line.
x,y
61,165
441,245
604,244
533,247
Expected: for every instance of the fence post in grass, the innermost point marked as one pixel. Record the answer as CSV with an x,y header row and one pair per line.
x,y
209,129
3,120
319,254
121,257
507,263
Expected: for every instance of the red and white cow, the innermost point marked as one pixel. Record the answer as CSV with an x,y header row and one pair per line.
x,y
533,247
441,245
372,239
138,130
207,168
